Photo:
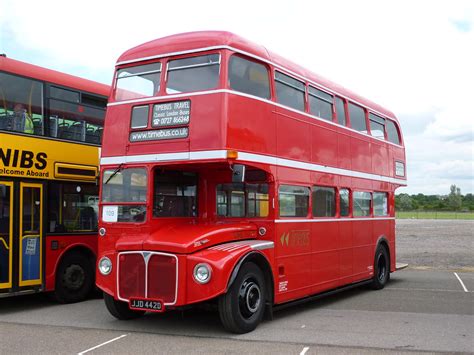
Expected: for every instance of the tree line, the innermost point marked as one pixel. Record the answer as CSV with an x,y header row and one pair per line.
x,y
454,201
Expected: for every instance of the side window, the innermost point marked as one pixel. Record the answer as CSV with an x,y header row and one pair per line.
x,y
80,119
392,132
21,104
340,111
290,92
249,77
72,207
293,200
320,103
344,202
377,126
361,203
380,204
242,200
324,201
357,116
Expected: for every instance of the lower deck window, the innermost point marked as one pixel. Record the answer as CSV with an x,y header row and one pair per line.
x,y
294,201
175,194
361,203
242,200
324,201
380,204
72,207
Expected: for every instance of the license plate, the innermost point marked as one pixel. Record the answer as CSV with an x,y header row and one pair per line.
x,y
138,304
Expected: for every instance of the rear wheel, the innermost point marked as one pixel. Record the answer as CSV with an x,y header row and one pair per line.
x,y
381,268
74,278
120,309
241,309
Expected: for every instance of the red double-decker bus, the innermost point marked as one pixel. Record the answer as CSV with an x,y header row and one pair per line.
x,y
50,132
234,176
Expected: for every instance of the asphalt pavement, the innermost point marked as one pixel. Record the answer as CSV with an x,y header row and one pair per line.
x,y
419,311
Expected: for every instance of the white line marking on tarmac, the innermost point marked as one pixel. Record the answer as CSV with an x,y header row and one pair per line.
x,y
305,349
107,342
462,283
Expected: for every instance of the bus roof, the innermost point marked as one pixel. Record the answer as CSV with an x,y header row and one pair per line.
x,y
35,72
186,42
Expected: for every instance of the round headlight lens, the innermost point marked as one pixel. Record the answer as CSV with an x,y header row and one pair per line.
x,y
105,266
202,273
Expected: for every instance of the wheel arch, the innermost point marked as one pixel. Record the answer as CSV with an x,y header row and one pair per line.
x,y
262,262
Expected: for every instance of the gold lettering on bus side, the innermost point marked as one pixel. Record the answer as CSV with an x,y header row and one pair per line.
x,y
295,238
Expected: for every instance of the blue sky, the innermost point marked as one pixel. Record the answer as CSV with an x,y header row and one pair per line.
x,y
413,57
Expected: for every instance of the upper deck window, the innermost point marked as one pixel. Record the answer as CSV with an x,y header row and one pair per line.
x,y
357,116
21,104
320,103
249,77
193,73
392,132
290,92
341,112
138,81
377,126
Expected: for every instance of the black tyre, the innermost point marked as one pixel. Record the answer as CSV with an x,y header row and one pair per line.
x,y
381,268
74,278
241,309
120,309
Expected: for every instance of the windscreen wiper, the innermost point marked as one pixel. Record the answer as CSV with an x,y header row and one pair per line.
x,y
119,168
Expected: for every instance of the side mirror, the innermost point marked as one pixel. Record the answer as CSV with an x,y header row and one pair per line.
x,y
238,173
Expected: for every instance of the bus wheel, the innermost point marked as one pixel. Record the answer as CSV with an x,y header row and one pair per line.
x,y
381,268
241,309
74,278
120,309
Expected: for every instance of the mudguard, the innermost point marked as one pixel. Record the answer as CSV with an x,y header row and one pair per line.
x,y
225,261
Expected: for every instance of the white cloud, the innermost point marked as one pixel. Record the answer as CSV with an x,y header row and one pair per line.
x,y
414,57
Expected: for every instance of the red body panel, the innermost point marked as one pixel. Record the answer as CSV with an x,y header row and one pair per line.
x,y
309,255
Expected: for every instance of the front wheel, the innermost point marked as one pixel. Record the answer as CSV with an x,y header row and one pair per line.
x,y
241,309
120,309
381,268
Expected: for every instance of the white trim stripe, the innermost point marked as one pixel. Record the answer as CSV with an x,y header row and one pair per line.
x,y
250,157
335,219
267,61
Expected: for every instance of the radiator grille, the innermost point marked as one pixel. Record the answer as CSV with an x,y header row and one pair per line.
x,y
147,275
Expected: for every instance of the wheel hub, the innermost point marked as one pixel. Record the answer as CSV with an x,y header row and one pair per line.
x,y
249,298
73,277
381,268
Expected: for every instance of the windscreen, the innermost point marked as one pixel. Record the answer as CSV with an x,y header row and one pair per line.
x,y
193,74
138,81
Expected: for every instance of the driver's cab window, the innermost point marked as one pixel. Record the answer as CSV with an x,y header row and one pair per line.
x,y
175,194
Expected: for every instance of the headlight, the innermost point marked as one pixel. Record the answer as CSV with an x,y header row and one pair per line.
x,y
202,273
105,266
